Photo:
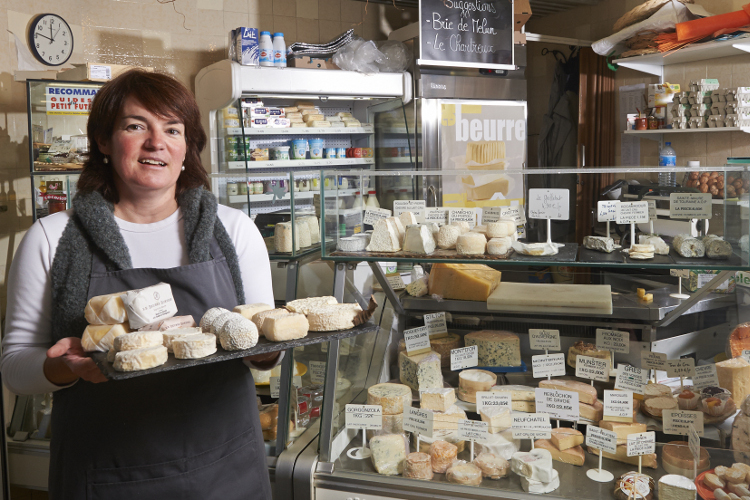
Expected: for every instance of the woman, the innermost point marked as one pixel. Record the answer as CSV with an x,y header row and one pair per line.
x,y
141,216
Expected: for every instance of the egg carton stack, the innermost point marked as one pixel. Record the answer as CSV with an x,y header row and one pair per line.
x,y
692,109
723,108
742,107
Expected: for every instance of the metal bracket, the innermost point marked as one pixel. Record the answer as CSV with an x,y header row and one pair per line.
x,y
389,293
326,413
285,389
339,281
695,297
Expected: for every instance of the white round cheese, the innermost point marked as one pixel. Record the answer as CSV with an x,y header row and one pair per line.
x,y
471,244
499,246
137,340
447,237
141,359
194,346
501,228
238,333
170,335
501,445
210,316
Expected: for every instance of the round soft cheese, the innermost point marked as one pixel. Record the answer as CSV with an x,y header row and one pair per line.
x,y
499,246
210,316
471,244
464,474
492,466
501,445
418,466
351,244
141,359
472,381
238,333
170,335
137,340
501,228
216,324
194,346
463,226
392,397
447,237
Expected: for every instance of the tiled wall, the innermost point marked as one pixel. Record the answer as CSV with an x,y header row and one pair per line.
x,y
179,37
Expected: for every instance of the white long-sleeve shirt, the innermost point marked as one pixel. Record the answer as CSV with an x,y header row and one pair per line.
x,y
28,322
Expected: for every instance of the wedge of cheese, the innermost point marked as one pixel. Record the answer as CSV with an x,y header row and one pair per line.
x,y
586,393
565,437
421,371
385,237
572,456
495,348
622,429
622,456
463,281
438,399
499,419
448,420
594,412
527,406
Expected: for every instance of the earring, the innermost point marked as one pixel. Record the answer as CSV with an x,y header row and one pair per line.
x,y
106,160
183,168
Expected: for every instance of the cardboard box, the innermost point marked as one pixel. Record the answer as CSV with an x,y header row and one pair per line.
x,y
521,14
519,38
96,72
661,94
311,63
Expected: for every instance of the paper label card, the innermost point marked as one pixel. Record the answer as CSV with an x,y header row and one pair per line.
x,y
613,340
473,430
684,367
618,404
273,384
705,376
418,420
372,215
464,357
606,211
678,421
592,368
562,405
417,341
541,340
746,354
417,207
531,426
317,372
632,212
680,273
462,215
690,206
436,325
630,378
652,210
694,443
437,215
515,212
742,279
548,365
364,417
490,214
395,281
653,360
493,399
601,439
642,443
549,204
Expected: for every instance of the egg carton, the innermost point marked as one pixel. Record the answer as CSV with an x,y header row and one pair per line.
x,y
731,121
715,121
680,123
697,122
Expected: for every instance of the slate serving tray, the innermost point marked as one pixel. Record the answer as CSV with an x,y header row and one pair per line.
x,y
263,346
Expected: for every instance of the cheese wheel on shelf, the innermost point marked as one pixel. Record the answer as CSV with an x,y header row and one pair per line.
x,y
676,458
137,340
472,381
442,455
141,359
502,228
448,236
195,346
464,473
170,335
392,397
471,244
418,466
492,467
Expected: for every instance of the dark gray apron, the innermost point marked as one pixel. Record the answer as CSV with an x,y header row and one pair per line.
x,y
192,433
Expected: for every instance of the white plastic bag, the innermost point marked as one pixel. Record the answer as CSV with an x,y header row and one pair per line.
x,y
365,56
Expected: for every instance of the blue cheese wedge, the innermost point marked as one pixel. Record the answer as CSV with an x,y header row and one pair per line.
x,y
496,348
388,453
421,371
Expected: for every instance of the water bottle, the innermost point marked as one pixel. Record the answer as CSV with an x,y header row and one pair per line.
x,y
279,50
667,158
266,49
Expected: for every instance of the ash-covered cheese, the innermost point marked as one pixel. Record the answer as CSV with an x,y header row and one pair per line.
x,y
499,246
385,237
717,247
210,316
437,399
101,338
471,244
419,239
238,333
388,453
599,243
137,340
140,359
448,236
496,348
421,371
333,317
393,398
197,345
687,246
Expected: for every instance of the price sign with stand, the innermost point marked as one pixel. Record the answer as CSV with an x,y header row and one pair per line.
x,y
632,212
562,405
473,430
417,207
690,206
417,341
653,361
642,443
694,443
613,341
418,421
603,440
464,357
363,417
544,340
680,274
548,365
531,426
372,215
679,421
630,378
706,376
618,405
318,372
437,327
606,211
462,215
550,204
684,367
493,399
592,368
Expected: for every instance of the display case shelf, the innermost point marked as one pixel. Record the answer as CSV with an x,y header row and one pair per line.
x,y
302,195
687,130
325,162
235,131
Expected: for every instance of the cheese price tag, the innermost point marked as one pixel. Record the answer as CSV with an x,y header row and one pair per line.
x,y
418,420
601,439
273,384
613,340
562,405
681,367
417,341
606,211
417,207
642,443
462,215
437,215
531,426
437,328
490,214
679,421
680,273
705,376
632,212
515,212
464,357
618,404
548,365
549,204
541,340
317,372
653,360
746,354
297,381
630,378
493,399
372,215
592,368
690,206
364,416
473,430
395,281
651,209
694,443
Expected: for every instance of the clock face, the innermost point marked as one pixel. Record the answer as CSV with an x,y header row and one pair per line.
x,y
50,39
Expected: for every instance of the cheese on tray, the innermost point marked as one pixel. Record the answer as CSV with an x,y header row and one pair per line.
x,y
573,455
417,288
197,345
447,435
172,323
586,393
388,453
464,473
639,251
463,281
385,237
437,399
137,340
687,246
622,456
471,244
238,333
538,487
499,419
400,229
717,247
501,445
581,348
536,465
734,375
495,348
599,243
660,246
565,437
148,305
260,317
210,316
448,420
676,458
101,338
249,310
674,487
392,397
535,249
418,466
169,336
472,381
352,244
492,467
499,246
141,359
418,238
304,306
333,317
517,392
421,371
106,310
285,327
448,236
593,412
501,228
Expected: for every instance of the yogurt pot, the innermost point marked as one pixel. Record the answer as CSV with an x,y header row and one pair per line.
x,y
299,149
330,152
316,148
340,152
280,153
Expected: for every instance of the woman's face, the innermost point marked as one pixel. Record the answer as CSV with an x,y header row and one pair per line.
x,y
146,150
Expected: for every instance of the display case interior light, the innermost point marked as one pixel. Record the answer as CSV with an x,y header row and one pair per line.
x,y
311,96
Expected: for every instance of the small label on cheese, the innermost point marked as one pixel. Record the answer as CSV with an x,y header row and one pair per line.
x,y
490,214
592,368
651,209
395,281
548,365
690,206
417,341
601,439
372,215
681,367
464,357
680,273
606,211
549,204
618,404
746,354
364,417
436,325
642,443
632,212
630,378
417,207
418,420
318,372
462,215
678,421
473,430
531,426
515,212
493,399
541,340
562,405
436,215
694,443
706,376
613,340
653,360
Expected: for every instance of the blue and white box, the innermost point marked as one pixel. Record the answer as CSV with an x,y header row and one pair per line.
x,y
246,49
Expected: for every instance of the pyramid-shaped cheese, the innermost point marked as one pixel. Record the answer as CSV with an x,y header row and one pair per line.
x,y
419,239
384,237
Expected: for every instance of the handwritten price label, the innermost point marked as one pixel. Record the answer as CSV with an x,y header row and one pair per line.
x,y
606,211
653,360
681,367
437,327
549,204
438,216
642,443
417,207
552,365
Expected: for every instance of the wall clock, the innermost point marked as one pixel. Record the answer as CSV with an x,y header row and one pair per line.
x,y
50,39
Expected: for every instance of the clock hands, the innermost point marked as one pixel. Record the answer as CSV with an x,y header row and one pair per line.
x,y
39,34
56,32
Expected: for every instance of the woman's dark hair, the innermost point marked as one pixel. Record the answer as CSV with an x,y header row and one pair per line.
x,y
163,96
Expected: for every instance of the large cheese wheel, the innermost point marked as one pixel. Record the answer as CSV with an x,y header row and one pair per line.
x,y
392,397
472,381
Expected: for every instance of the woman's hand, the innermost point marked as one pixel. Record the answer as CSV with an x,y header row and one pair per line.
x,y
263,360
67,362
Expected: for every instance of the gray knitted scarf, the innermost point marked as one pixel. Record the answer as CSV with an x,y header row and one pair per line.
x,y
93,228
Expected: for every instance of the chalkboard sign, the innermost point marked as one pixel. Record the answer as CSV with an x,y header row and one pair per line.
x,y
466,33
